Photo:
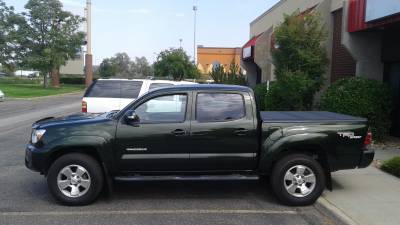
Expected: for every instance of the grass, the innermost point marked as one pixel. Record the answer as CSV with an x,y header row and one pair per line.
x,y
392,166
17,90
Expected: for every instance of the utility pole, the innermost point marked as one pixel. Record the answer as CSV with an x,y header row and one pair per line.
x,y
88,56
194,35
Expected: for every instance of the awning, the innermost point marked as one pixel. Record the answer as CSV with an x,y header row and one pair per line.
x,y
248,48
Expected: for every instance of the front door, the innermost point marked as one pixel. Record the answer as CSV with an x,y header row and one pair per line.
x,y
223,132
157,140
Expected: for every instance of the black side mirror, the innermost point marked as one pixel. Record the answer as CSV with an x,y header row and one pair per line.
x,y
132,117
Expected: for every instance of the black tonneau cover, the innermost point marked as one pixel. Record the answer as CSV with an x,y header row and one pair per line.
x,y
313,117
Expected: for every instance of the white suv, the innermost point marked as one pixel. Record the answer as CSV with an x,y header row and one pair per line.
x,y
106,95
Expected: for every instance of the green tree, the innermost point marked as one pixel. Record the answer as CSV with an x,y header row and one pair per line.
x,y
107,68
52,36
11,51
175,63
301,55
231,76
141,68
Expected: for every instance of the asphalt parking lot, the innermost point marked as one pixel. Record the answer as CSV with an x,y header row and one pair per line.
x,y
25,199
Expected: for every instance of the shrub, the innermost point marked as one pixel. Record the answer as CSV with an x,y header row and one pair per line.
x,y
292,92
364,98
260,92
392,166
72,80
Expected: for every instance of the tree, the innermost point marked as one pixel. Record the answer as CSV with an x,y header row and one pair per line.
x,y
11,51
175,63
122,66
140,68
231,76
107,68
299,59
52,37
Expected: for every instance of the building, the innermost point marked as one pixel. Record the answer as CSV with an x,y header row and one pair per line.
x,y
74,66
209,57
363,40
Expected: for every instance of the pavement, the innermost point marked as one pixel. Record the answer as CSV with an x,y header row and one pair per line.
x,y
366,196
25,199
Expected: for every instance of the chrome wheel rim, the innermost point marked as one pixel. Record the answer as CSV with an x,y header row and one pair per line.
x,y
73,181
299,181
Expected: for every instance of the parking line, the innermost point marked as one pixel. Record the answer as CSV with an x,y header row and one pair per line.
x,y
146,212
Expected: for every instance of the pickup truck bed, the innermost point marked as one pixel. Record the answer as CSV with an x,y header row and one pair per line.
x,y
307,117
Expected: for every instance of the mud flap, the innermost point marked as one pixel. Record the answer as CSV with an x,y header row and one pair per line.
x,y
109,183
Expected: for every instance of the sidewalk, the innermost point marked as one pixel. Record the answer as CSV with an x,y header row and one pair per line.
x,y
367,196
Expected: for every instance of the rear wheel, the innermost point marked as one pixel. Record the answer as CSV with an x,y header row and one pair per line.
x,y
298,180
75,179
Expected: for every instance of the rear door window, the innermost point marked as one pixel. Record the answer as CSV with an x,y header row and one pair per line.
x,y
219,107
105,89
130,89
159,85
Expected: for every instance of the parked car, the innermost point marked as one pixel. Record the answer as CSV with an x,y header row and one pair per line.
x,y
2,96
106,95
197,130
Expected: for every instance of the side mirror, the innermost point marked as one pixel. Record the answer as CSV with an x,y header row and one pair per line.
x,y
131,116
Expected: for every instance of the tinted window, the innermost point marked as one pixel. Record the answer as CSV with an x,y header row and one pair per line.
x,y
214,107
170,108
159,85
130,89
105,89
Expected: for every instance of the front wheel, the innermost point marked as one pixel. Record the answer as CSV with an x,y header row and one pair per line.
x,y
298,180
75,179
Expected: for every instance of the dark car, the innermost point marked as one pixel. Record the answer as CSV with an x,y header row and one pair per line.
x,y
197,130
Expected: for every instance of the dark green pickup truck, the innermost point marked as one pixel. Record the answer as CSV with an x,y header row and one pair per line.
x,y
197,130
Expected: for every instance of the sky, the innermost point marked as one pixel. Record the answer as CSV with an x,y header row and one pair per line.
x,y
146,27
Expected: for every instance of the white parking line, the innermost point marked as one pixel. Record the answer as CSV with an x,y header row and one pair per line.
x,y
146,212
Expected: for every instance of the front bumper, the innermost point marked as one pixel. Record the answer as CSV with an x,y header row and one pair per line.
x,y
366,158
34,160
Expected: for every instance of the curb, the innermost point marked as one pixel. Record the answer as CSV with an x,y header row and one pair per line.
x,y
44,97
326,207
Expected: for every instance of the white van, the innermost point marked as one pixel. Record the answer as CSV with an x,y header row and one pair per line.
x,y
105,95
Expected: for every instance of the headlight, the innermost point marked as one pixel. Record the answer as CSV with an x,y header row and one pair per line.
x,y
37,135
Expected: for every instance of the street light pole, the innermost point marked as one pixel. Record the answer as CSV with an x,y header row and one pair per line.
x,y
88,56
194,34
180,43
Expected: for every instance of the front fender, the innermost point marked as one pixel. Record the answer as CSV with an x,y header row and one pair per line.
x,y
272,149
102,146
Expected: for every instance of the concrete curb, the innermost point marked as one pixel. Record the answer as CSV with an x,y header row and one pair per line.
x,y
44,97
327,208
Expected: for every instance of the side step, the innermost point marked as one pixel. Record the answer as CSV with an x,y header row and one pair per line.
x,y
184,178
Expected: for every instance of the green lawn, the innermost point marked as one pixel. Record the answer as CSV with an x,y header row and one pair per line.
x,y
36,90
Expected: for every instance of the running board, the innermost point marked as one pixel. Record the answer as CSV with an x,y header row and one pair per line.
x,y
184,178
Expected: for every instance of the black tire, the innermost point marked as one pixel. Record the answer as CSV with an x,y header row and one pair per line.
x,y
278,182
93,169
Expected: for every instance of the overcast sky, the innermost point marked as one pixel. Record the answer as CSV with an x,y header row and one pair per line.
x,y
146,27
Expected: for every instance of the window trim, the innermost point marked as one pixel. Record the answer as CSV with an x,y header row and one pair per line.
x,y
165,122
219,121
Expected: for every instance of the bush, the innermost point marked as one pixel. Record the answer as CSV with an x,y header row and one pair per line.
x,y
20,80
392,166
260,92
72,80
364,98
292,92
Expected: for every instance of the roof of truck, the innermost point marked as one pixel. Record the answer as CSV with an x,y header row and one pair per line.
x,y
193,87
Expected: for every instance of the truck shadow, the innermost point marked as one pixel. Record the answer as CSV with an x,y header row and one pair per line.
x,y
193,189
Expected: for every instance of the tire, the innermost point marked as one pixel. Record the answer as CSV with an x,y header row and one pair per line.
x,y
80,177
294,188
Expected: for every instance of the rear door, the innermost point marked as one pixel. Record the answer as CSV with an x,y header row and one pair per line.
x,y
103,96
223,132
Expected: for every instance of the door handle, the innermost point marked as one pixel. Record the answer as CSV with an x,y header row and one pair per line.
x,y
241,132
179,132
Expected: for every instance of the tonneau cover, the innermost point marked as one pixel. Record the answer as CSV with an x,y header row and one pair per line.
x,y
304,116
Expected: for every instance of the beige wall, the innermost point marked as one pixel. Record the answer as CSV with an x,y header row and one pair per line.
x,y
206,56
275,15
75,67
